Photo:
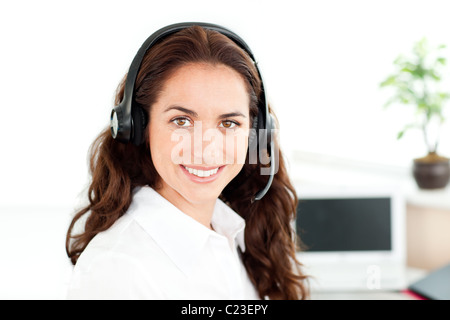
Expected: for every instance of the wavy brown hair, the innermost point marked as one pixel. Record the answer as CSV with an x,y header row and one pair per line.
x,y
116,169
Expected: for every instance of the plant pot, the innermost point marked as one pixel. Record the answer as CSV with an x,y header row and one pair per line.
x,y
432,171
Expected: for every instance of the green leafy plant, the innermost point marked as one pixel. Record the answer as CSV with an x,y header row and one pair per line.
x,y
416,83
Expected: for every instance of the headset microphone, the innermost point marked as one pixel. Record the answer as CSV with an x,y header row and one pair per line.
x,y
128,121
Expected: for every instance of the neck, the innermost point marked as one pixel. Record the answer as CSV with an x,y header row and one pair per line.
x,y
200,211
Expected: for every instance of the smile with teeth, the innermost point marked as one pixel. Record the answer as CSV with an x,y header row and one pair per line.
x,y
201,173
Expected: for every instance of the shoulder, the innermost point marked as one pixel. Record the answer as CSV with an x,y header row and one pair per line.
x,y
112,266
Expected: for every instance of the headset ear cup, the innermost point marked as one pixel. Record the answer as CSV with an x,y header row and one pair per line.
x,y
270,132
139,123
270,128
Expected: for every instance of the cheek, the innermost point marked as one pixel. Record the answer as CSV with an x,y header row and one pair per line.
x,y
236,148
169,147
160,146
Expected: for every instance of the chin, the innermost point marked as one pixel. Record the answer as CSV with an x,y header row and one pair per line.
x,y
201,193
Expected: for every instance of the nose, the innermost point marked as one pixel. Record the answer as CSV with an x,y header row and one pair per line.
x,y
208,144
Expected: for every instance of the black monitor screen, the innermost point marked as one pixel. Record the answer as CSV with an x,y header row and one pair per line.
x,y
344,224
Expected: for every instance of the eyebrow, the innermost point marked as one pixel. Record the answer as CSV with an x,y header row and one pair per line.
x,y
195,114
189,112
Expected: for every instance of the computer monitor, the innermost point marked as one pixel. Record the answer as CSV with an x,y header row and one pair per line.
x,y
347,235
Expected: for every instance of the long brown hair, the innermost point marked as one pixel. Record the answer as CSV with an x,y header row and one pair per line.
x,y
116,169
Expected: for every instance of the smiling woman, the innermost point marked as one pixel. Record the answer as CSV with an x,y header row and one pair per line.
x,y
177,220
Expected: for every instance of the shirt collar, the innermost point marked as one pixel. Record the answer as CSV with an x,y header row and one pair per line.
x,y
181,237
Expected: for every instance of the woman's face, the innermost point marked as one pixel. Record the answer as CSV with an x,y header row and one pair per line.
x,y
198,131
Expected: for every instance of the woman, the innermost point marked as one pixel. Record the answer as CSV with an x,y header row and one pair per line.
x,y
173,216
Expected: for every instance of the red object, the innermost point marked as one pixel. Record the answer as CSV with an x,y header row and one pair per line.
x,y
413,294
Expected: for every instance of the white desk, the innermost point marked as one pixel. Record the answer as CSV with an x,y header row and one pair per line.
x,y
412,275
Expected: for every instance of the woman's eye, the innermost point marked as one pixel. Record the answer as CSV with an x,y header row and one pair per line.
x,y
228,124
182,122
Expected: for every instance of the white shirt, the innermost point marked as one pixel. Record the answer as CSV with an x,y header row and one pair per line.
x,y
155,251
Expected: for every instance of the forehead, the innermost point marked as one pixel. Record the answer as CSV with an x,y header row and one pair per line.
x,y
200,86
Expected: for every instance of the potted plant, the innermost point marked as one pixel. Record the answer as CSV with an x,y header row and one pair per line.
x,y
416,83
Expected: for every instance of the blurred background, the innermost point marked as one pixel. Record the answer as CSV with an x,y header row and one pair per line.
x,y
322,62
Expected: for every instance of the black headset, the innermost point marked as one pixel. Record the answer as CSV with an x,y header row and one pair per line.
x,y
128,121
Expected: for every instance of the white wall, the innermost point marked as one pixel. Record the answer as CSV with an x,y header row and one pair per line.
x,y
322,61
